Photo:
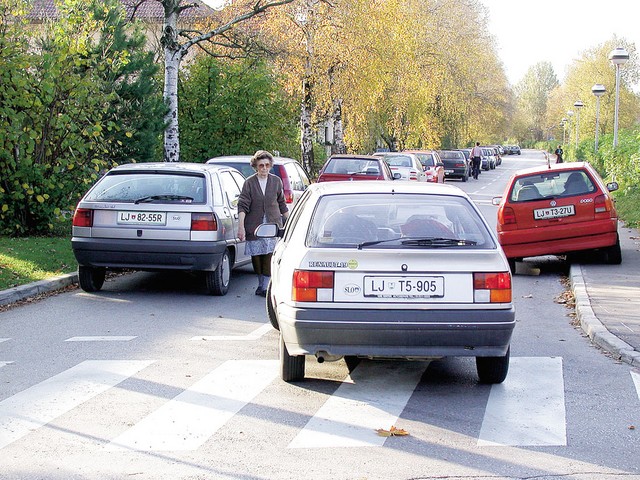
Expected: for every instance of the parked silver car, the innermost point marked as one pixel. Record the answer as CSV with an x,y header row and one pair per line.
x,y
408,165
391,270
160,216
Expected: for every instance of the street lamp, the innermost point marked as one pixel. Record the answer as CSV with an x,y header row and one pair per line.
x,y
598,90
564,130
618,57
578,105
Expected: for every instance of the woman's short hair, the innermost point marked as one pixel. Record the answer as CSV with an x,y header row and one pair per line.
x,y
261,155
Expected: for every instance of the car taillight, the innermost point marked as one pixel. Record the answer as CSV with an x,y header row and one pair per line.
x,y
83,217
492,287
288,196
312,286
506,216
204,222
413,175
601,204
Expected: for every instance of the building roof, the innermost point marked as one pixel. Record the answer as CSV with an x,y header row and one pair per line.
x,y
149,10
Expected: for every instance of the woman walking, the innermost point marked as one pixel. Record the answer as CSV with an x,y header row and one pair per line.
x,y
261,201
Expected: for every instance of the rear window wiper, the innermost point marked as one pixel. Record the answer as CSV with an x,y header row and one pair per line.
x,y
438,242
153,198
377,242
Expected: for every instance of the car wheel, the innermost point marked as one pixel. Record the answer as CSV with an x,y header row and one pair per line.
x,y
218,280
613,254
91,279
291,366
352,362
493,369
465,177
271,311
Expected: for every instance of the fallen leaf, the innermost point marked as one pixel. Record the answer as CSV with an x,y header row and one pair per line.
x,y
632,427
393,432
527,296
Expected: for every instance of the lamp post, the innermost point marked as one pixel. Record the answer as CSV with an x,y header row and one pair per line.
x,y
618,57
578,105
564,130
598,90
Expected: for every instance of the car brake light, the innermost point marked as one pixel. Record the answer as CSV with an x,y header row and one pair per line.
x,y
600,204
506,216
492,287
204,222
83,217
312,286
288,196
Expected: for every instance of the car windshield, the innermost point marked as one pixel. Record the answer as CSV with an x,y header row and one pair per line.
x,y
352,166
452,155
397,221
551,184
398,160
149,188
426,159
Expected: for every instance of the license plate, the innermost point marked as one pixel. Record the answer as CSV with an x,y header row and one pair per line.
x,y
554,212
142,218
448,171
403,287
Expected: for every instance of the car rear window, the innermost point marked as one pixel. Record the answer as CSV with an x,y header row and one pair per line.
x,y
149,188
426,159
551,184
398,160
345,221
451,155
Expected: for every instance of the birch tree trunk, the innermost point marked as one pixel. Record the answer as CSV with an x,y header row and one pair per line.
x,y
338,146
173,54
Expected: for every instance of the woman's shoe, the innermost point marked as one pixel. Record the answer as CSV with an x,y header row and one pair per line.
x,y
261,291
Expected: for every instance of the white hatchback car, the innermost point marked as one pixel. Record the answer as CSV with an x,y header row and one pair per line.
x,y
389,270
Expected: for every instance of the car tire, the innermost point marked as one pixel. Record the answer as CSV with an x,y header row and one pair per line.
x,y
465,177
613,254
493,369
218,281
91,279
271,310
512,265
291,366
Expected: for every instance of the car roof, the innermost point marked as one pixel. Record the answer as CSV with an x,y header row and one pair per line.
x,y
351,157
247,159
385,186
168,167
420,151
553,167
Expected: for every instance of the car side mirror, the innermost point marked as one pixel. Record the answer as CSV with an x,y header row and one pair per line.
x,y
612,186
496,201
268,230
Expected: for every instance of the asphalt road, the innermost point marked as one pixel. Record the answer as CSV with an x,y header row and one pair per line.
x,y
152,379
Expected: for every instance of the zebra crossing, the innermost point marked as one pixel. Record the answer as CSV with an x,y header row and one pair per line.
x,y
528,409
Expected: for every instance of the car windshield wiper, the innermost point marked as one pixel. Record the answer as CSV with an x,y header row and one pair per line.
x,y
438,242
377,242
153,198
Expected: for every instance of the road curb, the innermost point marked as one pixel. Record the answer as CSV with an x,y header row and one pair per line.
x,y
593,327
22,292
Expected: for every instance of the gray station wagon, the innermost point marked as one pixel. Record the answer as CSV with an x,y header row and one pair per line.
x,y
160,216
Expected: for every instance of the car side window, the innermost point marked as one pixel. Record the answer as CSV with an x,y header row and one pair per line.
x,y
294,178
230,188
303,176
294,216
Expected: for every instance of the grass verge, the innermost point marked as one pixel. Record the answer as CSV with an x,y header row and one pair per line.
x,y
26,260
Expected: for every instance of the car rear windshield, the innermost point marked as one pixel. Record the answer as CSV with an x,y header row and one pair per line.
x,y
452,155
351,166
149,188
246,169
397,221
398,160
426,159
551,184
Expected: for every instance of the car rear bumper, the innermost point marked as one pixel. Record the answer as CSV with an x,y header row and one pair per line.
x,y
396,333
565,239
147,254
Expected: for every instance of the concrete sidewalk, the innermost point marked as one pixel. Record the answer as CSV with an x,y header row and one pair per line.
x,y
607,298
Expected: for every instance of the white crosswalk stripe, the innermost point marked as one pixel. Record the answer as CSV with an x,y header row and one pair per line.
x,y
188,420
4,363
352,415
528,408
42,403
636,381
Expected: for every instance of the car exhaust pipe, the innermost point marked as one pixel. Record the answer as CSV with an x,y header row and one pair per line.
x,y
323,356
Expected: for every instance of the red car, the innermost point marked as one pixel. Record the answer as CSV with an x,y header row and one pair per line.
x,y
355,167
557,210
432,164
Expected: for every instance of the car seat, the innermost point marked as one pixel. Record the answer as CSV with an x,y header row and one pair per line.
x,y
425,226
350,229
575,184
528,192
